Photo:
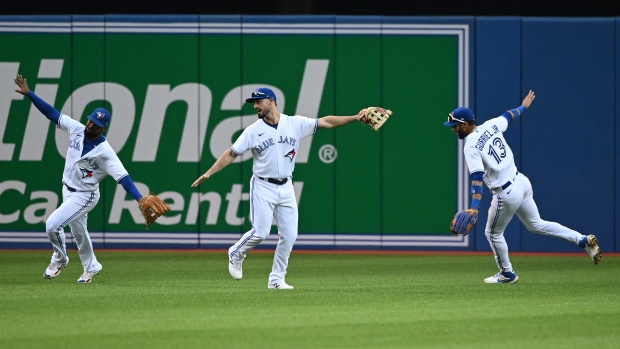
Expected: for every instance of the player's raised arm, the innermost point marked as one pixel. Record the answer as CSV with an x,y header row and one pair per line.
x,y
45,108
225,159
514,113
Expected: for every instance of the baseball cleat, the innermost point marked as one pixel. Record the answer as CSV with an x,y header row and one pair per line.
x,y
87,277
54,269
593,250
280,285
235,268
503,277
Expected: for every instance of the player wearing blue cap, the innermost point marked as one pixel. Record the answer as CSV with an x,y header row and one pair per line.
x,y
89,159
490,159
274,141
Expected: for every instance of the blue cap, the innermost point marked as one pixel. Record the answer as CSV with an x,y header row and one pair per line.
x,y
459,116
261,93
101,117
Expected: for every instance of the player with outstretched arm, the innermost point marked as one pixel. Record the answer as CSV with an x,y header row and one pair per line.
x,y
274,141
89,159
490,159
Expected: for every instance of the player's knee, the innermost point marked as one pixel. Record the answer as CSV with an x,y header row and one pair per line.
x,y
51,227
261,233
289,234
536,227
492,233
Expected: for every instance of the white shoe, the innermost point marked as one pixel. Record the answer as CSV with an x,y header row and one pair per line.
x,y
503,277
235,268
54,269
87,277
280,285
593,250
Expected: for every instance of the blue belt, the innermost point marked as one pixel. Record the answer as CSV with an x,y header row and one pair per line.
x,y
507,184
73,190
274,181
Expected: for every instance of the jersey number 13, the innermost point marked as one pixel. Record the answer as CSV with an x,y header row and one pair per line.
x,y
498,156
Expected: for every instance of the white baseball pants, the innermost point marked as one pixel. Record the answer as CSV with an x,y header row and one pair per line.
x,y
269,202
519,198
74,213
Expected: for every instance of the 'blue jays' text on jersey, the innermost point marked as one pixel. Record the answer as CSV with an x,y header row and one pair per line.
x,y
274,149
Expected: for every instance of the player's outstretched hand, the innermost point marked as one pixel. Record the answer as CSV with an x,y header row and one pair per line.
x,y
527,101
200,179
22,85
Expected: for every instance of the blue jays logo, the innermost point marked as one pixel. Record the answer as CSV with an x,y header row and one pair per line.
x,y
291,155
86,173
100,115
92,163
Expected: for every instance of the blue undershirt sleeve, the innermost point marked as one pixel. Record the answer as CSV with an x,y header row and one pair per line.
x,y
130,187
513,113
50,112
507,116
477,176
476,189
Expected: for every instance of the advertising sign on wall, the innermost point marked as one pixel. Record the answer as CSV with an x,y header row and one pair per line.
x,y
176,88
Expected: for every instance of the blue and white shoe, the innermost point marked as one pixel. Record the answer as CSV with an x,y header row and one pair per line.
x,y
590,244
503,277
87,277
53,269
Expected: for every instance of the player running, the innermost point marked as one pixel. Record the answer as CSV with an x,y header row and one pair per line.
x,y
274,142
490,159
89,159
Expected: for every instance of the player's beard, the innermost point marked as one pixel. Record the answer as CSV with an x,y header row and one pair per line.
x,y
89,134
262,113
460,131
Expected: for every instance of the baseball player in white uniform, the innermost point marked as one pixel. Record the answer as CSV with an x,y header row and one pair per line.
x,y
89,159
489,158
274,141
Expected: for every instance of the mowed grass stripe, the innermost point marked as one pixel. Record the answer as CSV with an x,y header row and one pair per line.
x,y
188,300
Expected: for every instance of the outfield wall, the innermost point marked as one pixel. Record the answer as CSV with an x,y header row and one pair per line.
x,y
176,86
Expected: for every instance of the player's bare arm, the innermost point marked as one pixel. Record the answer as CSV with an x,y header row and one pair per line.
x,y
527,101
332,121
22,85
224,160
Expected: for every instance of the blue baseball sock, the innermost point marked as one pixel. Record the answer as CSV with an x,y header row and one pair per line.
x,y
584,240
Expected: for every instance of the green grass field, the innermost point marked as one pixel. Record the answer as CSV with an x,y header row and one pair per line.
x,y
188,300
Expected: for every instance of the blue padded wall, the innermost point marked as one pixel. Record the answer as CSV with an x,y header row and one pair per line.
x,y
568,135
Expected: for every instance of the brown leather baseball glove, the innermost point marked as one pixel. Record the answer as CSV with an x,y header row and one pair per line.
x,y
152,207
374,116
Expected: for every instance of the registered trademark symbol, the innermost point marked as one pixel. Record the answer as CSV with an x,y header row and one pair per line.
x,y
328,153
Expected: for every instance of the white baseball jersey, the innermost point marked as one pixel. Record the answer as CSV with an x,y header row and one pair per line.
x,y
85,172
274,149
486,150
